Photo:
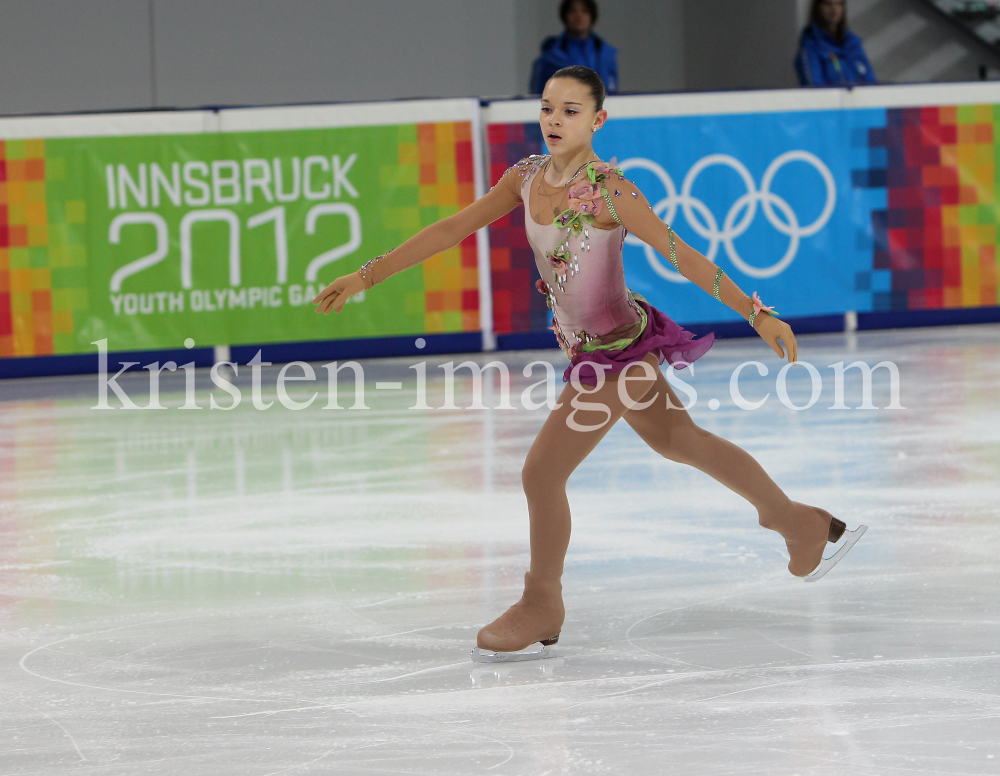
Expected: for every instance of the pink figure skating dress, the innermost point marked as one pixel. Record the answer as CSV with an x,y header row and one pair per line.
x,y
597,319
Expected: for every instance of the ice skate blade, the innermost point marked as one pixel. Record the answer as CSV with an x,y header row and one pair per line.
x,y
489,656
850,539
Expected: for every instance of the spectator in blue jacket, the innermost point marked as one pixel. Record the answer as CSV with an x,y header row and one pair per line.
x,y
578,45
829,53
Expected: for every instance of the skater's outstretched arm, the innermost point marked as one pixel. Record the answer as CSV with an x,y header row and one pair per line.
x,y
635,214
429,241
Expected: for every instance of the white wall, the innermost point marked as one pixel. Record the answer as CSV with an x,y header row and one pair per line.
x,y
60,55
70,55
732,44
67,55
79,55
212,52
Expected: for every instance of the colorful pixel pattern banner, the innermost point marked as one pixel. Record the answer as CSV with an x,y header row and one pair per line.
x,y
225,238
820,211
935,242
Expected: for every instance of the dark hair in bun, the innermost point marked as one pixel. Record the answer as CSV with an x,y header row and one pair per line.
x,y
588,78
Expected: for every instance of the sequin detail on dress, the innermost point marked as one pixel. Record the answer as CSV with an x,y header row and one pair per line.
x,y
584,200
618,319
599,323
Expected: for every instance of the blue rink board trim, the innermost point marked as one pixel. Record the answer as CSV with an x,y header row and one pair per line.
x,y
380,347
280,353
902,319
466,342
86,363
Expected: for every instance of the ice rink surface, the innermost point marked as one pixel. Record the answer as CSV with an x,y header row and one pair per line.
x,y
262,592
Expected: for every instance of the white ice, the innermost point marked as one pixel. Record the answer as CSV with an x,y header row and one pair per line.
x,y
297,592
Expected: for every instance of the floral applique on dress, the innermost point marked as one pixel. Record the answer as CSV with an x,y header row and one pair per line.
x,y
586,200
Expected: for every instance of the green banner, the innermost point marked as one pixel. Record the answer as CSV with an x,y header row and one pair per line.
x,y
225,238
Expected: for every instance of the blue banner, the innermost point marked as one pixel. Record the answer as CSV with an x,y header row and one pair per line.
x,y
768,197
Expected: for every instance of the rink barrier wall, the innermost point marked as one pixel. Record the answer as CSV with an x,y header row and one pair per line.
x,y
881,201
926,148
219,230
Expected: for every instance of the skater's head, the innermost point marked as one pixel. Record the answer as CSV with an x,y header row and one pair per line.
x,y
585,77
572,109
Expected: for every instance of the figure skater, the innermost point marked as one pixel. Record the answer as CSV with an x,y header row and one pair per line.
x,y
577,209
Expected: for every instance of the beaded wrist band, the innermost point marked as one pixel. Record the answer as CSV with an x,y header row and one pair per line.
x,y
758,306
718,277
366,270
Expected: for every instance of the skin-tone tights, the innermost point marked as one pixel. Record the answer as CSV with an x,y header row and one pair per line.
x,y
668,430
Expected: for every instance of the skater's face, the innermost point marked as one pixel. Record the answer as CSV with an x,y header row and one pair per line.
x,y
569,117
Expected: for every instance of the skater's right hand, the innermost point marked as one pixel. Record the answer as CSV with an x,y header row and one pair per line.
x,y
338,292
771,330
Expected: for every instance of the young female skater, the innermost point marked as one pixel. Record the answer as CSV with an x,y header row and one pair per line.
x,y
577,209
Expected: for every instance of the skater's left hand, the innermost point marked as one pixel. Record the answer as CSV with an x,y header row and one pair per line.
x,y
335,295
771,330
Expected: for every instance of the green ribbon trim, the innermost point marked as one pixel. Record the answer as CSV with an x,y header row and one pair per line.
x,y
619,344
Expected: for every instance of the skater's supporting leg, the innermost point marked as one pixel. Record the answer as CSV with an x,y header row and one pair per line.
x,y
568,435
669,430
561,445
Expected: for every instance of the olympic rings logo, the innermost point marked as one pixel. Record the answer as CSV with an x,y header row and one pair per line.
x,y
741,214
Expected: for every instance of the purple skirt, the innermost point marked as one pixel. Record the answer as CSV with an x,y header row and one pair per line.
x,y
669,341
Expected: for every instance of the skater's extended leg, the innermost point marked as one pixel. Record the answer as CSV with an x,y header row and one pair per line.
x,y
669,430
568,435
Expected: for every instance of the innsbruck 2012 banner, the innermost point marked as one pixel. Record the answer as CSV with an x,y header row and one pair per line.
x,y
223,232
226,237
